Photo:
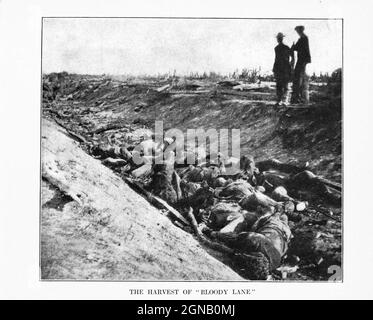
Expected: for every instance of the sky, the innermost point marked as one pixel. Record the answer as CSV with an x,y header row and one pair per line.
x,y
155,46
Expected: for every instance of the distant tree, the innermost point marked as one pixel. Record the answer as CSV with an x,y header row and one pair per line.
x,y
250,75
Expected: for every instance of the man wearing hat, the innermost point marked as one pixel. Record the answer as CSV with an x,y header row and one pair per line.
x,y
303,58
282,69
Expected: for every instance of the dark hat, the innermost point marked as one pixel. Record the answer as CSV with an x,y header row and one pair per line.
x,y
299,28
280,35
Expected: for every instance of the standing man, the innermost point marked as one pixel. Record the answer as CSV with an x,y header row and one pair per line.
x,y
282,69
300,81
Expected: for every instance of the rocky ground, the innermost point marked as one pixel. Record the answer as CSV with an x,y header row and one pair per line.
x,y
104,111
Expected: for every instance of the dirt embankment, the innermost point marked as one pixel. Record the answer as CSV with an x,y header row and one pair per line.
x,y
104,111
291,135
93,226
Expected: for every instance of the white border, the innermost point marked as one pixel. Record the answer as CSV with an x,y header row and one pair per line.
x,y
19,162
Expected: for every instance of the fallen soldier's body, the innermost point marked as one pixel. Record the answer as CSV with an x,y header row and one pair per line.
x,y
269,236
165,182
297,180
273,164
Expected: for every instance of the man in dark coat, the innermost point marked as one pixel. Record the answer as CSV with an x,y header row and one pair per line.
x,y
282,69
303,58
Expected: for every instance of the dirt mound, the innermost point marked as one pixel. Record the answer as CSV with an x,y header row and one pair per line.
x,y
95,227
300,135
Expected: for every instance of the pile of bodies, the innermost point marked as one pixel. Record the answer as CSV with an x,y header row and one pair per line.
x,y
247,211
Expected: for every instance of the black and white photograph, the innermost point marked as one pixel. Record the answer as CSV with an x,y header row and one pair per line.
x,y
186,157
191,149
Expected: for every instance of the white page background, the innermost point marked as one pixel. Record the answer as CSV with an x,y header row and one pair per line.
x,y
20,52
